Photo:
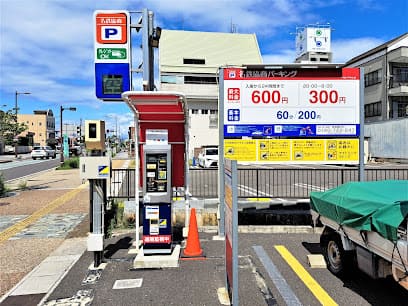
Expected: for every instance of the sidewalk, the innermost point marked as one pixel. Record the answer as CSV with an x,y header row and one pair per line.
x,y
35,221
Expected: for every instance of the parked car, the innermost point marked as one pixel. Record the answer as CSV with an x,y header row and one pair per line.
x,y
42,152
8,149
75,150
208,157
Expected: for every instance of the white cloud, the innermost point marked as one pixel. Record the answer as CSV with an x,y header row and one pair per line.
x,y
346,49
283,57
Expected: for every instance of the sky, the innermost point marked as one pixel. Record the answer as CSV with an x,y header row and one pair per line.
x,y
46,46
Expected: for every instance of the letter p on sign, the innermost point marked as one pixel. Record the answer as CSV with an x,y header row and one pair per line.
x,y
111,33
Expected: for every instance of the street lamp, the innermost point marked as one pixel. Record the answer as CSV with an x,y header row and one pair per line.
x,y
16,98
61,134
16,112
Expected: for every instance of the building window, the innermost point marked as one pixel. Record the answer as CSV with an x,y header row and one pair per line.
x,y
402,106
372,78
194,111
193,61
402,110
213,111
399,75
372,109
200,80
213,124
204,112
169,79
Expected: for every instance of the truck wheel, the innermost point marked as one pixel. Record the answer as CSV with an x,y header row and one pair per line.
x,y
334,254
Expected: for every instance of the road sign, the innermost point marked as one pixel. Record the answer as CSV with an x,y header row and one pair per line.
x,y
112,54
291,101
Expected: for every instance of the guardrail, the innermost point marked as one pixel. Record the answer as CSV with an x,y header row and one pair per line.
x,y
267,183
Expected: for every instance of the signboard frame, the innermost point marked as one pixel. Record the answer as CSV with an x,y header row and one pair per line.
x,y
291,101
112,53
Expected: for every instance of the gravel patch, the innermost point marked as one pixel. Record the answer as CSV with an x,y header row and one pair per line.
x,y
19,257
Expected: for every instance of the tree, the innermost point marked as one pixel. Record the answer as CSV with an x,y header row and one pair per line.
x,y
9,127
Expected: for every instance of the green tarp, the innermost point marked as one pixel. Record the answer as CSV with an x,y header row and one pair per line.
x,y
379,206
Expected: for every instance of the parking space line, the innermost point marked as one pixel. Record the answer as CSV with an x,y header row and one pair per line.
x,y
279,281
323,297
19,226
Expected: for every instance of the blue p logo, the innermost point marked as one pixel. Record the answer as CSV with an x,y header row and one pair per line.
x,y
110,32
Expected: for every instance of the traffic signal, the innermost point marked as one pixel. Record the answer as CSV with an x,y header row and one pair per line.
x,y
79,131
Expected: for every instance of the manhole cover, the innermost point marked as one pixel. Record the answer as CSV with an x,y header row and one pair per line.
x,y
128,283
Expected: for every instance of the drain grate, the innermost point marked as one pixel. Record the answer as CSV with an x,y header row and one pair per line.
x,y
128,283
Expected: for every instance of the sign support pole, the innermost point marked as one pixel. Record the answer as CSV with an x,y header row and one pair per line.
x,y
361,176
221,189
137,184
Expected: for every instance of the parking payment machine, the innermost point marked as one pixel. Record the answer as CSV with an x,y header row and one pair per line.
x,y
157,230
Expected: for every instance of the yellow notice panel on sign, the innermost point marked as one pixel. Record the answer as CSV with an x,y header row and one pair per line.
x,y
327,151
342,149
242,150
308,150
274,150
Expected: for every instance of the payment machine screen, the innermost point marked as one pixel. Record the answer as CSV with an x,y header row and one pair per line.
x,y
156,172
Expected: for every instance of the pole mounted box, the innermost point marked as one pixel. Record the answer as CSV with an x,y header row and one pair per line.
x,y
94,167
95,135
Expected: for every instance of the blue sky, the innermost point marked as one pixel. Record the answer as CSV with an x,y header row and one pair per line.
x,y
46,46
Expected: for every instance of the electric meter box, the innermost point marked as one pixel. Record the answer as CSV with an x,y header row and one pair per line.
x,y
157,174
95,135
94,167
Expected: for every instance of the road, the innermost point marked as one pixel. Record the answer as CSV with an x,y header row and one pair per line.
x,y
354,289
26,166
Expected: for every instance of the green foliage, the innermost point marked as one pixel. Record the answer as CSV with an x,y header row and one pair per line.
x,y
9,127
117,219
22,185
71,163
2,187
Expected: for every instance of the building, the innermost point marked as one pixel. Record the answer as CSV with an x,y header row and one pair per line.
x,y
40,126
189,63
313,44
386,98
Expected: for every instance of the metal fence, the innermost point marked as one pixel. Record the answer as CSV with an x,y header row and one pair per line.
x,y
262,182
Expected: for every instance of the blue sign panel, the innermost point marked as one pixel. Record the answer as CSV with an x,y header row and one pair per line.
x,y
111,80
292,130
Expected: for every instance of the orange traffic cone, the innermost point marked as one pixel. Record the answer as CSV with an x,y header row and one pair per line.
x,y
193,248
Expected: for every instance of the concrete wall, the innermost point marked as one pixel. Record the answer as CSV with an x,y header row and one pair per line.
x,y
388,139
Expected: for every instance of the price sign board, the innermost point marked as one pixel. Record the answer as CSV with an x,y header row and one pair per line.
x,y
291,102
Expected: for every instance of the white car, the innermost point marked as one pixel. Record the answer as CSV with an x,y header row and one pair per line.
x,y
208,157
42,152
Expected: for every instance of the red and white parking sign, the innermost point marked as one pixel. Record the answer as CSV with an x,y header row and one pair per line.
x,y
111,28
